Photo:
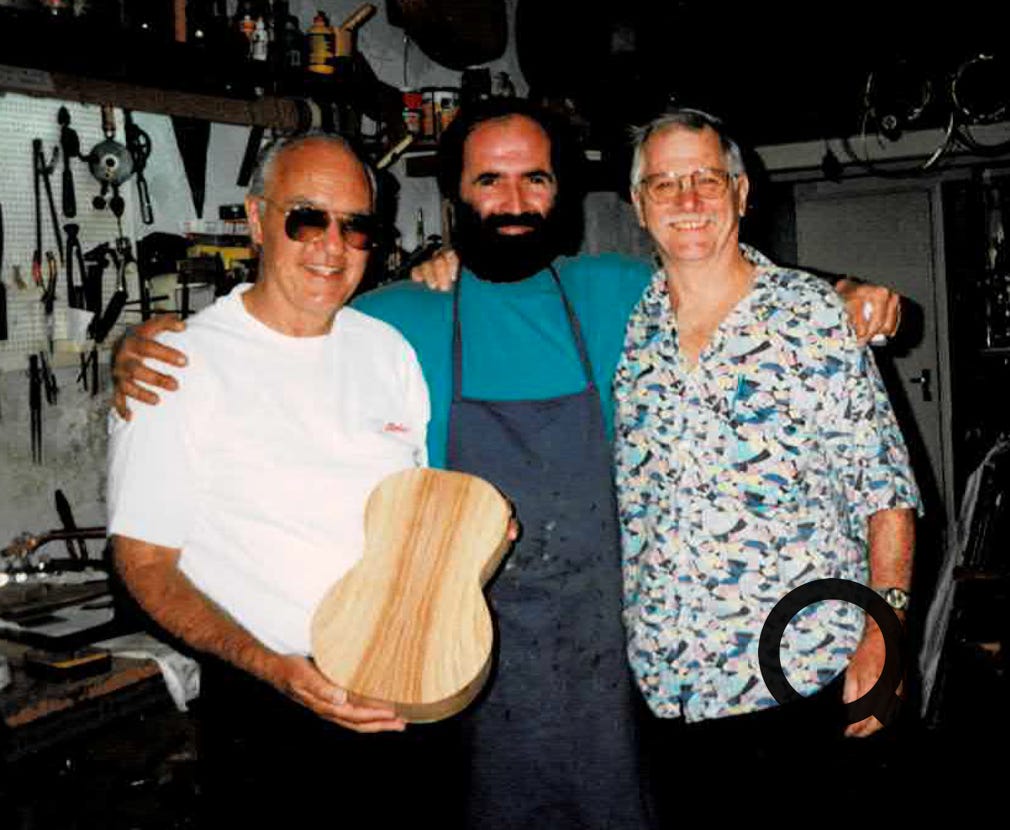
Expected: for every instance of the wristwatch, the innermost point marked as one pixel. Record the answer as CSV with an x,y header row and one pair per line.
x,y
897,598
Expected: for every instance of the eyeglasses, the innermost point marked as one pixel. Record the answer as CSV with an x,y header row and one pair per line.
x,y
662,188
304,223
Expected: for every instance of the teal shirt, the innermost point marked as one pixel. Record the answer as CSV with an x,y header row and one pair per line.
x,y
517,344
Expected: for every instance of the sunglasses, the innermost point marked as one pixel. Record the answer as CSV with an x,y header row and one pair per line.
x,y
305,223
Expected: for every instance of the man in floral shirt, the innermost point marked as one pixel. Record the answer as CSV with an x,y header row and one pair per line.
x,y
755,451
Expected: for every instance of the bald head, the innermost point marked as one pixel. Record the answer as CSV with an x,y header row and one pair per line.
x,y
264,172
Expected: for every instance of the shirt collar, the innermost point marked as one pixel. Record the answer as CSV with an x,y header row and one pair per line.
x,y
656,303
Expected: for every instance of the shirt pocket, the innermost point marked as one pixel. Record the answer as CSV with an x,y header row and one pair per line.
x,y
765,453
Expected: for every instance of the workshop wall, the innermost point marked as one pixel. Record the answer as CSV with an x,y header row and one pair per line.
x,y
73,457
72,439
74,428
23,119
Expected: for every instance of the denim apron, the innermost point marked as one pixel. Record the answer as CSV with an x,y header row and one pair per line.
x,y
552,741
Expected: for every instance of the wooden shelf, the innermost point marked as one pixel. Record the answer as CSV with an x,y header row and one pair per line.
x,y
280,113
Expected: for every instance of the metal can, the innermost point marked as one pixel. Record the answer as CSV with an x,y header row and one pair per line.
x,y
412,112
429,129
446,107
439,106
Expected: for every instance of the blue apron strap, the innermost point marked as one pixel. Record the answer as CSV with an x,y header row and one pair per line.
x,y
573,322
457,345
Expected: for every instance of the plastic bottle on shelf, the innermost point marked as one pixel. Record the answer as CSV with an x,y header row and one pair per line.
x,y
260,41
321,45
247,27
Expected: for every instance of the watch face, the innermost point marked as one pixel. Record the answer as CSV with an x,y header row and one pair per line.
x,y
896,598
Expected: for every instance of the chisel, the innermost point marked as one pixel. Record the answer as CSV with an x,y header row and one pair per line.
x,y
3,288
67,520
70,144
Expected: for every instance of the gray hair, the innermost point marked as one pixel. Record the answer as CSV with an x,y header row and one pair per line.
x,y
688,119
269,154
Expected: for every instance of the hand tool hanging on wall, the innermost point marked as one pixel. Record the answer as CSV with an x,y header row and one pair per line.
x,y
48,381
129,274
96,260
101,327
49,297
37,253
35,406
67,520
3,288
252,151
3,307
87,376
123,260
109,162
88,369
138,143
117,206
70,145
43,171
193,137
75,257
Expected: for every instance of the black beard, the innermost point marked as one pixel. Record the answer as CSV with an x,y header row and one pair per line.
x,y
498,257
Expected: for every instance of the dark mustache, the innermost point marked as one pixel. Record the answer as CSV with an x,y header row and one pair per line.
x,y
504,220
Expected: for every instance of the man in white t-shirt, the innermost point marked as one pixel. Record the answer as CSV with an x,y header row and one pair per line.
x,y
235,506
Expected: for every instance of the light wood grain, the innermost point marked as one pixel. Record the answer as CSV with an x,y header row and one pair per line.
x,y
408,626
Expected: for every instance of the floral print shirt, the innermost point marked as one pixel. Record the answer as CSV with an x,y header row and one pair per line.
x,y
739,479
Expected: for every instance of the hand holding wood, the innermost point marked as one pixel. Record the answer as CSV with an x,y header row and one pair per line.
x,y
408,627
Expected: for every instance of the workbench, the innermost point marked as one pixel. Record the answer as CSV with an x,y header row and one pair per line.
x,y
38,713
88,748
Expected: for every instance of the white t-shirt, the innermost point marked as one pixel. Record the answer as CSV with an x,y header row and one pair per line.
x,y
259,466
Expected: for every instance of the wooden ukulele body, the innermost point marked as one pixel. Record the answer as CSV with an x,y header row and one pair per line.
x,y
408,625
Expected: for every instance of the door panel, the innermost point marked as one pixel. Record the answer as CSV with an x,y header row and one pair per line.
x,y
888,238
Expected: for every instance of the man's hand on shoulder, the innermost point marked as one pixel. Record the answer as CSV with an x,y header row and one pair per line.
x,y
300,680
129,369
874,310
438,273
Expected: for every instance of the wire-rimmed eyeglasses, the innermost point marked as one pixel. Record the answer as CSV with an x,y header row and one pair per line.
x,y
707,182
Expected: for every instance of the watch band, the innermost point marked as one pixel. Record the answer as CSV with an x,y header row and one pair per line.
x,y
897,598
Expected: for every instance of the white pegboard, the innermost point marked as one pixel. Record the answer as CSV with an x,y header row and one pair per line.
x,y
23,119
